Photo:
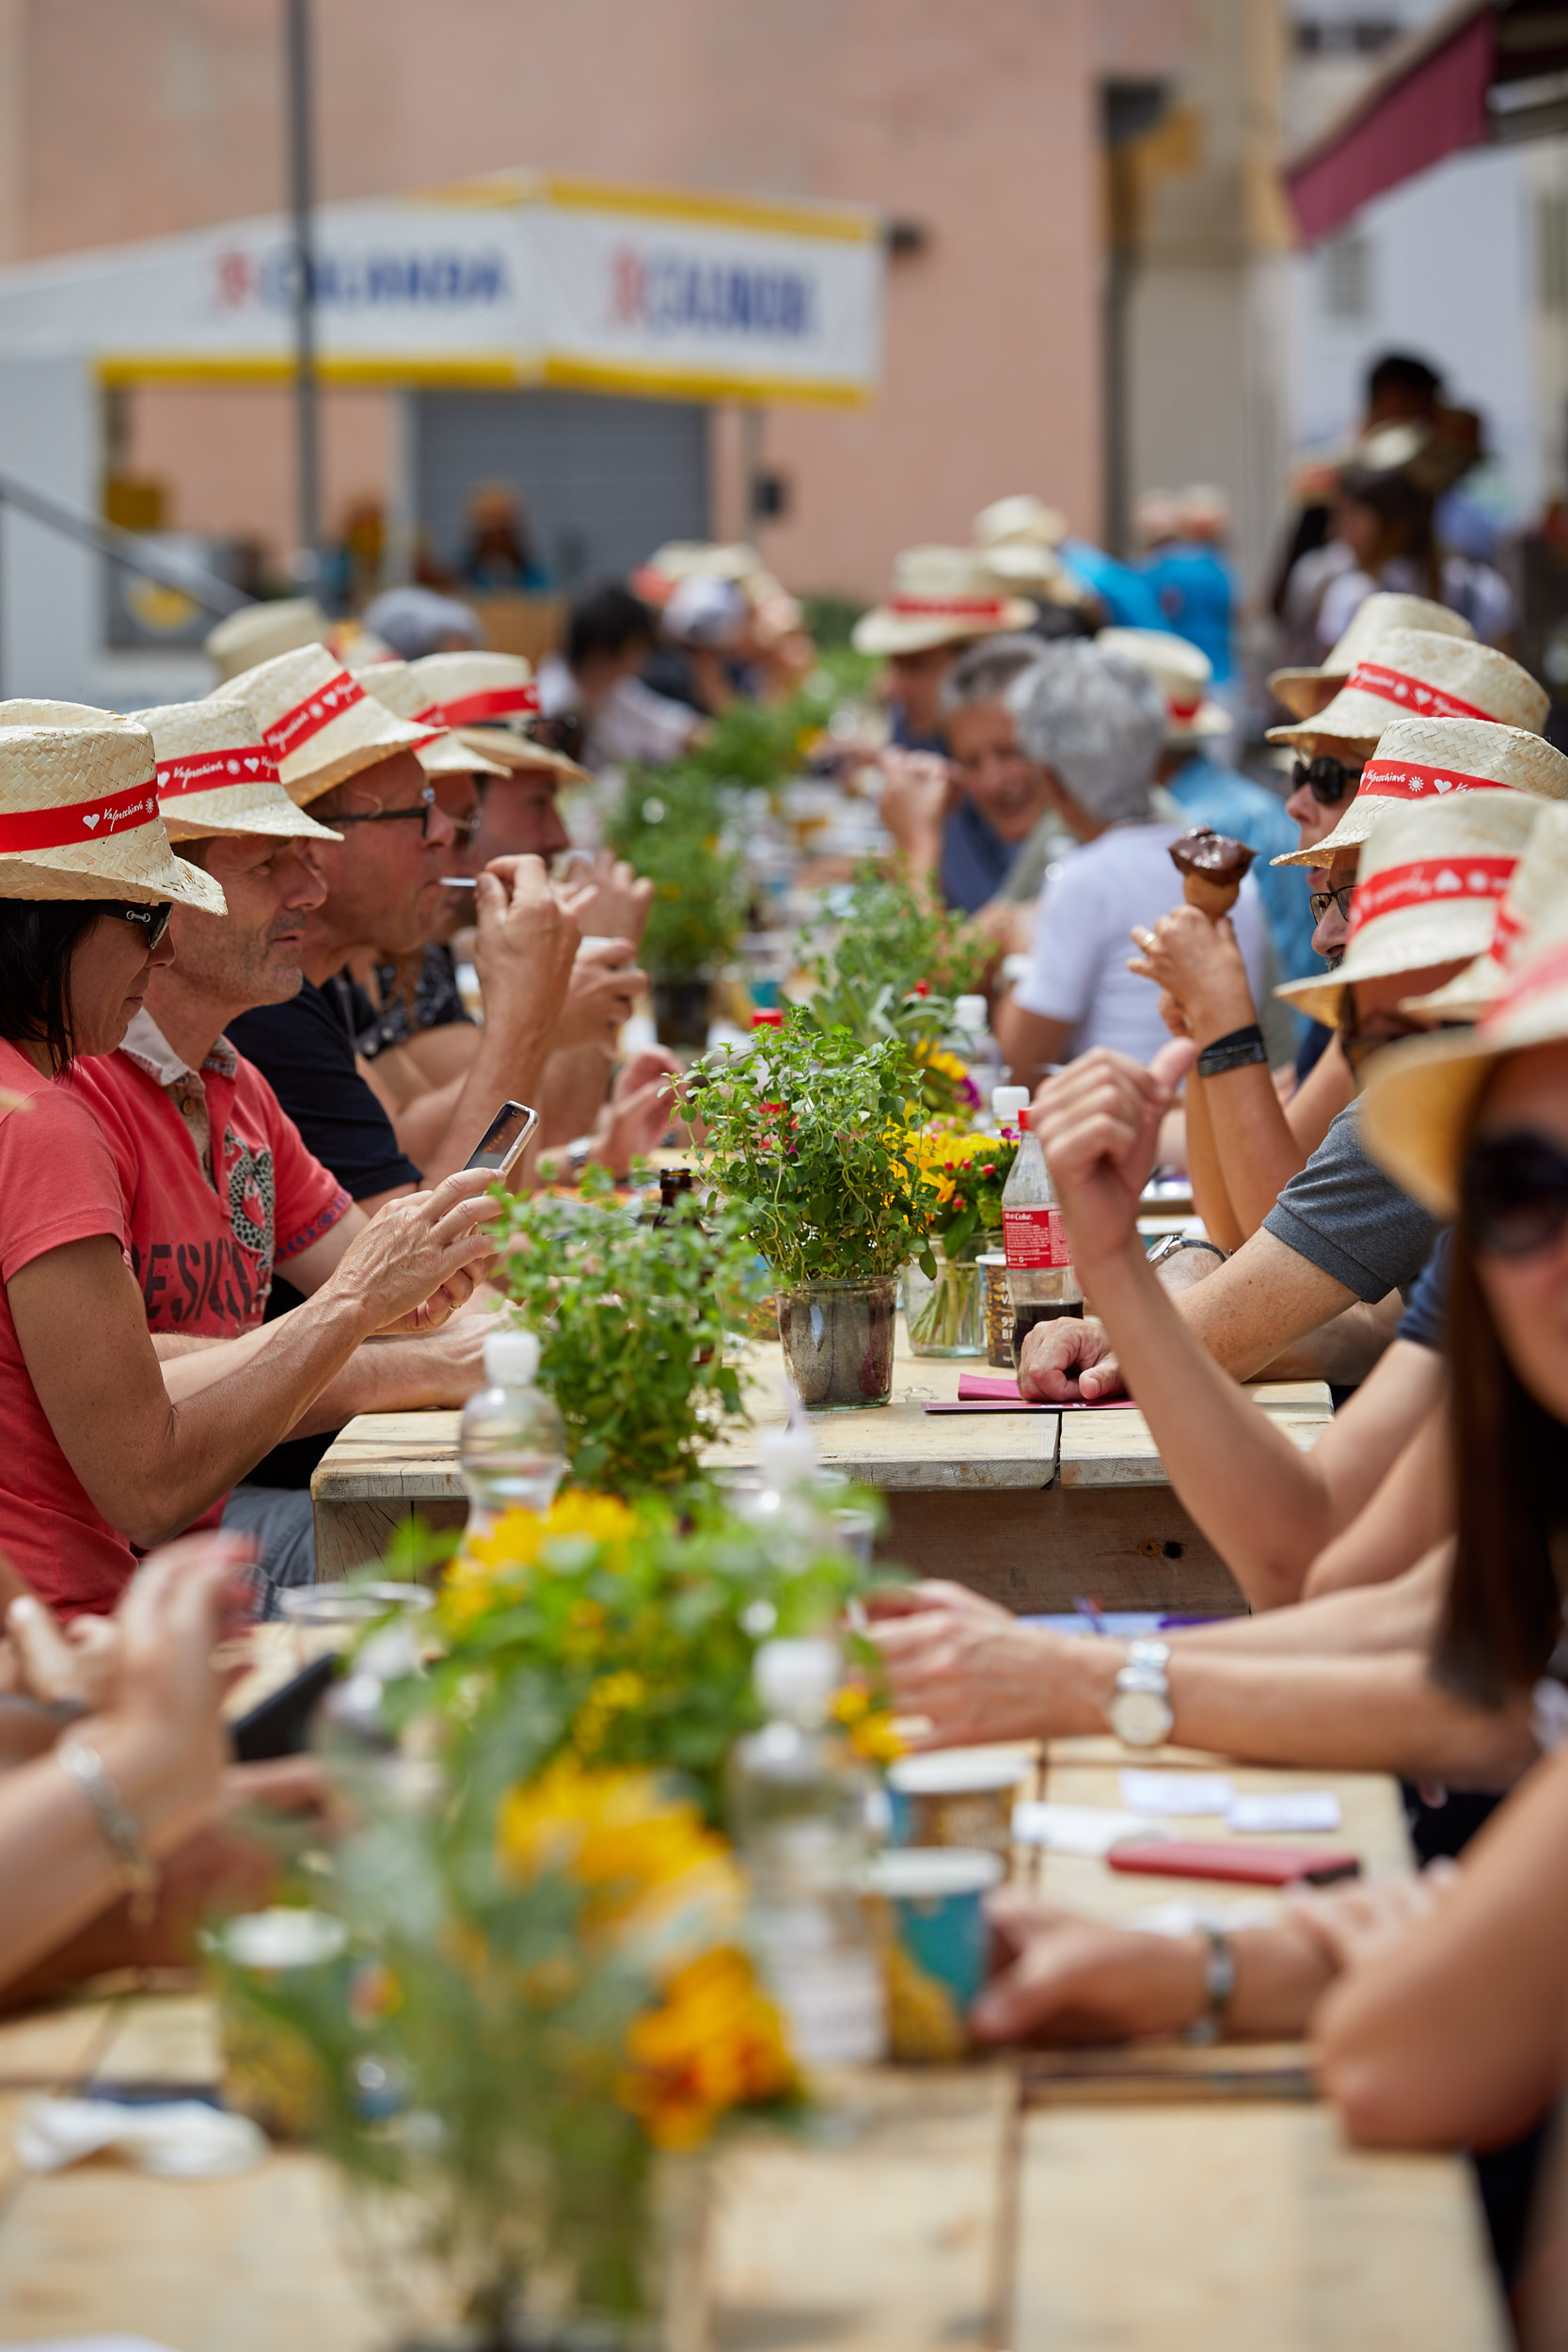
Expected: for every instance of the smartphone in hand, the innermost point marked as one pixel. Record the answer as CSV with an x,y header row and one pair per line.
x,y
505,1139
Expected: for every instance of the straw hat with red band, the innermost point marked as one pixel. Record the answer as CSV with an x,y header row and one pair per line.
x,y
318,723
1420,1098
397,689
489,698
1305,691
1418,674
79,819
1539,887
939,595
1428,891
216,774
260,633
1425,759
1183,674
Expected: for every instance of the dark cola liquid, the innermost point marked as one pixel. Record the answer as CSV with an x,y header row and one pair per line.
x,y
1043,1310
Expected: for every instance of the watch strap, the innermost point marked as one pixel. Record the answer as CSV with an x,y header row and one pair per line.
x,y
1236,1050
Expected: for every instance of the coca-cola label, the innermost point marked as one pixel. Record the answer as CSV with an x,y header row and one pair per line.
x,y
1035,1237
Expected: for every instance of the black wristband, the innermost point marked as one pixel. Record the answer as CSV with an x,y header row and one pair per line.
x,y
1235,1051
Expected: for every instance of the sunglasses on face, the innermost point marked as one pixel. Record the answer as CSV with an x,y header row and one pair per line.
x,y
154,921
1515,1194
1320,900
563,734
396,816
1327,780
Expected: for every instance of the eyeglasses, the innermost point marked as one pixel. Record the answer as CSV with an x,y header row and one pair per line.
x,y
1327,780
1320,900
563,734
154,920
1515,1194
396,816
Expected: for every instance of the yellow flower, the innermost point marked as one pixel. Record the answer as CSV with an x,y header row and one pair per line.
x,y
714,2043
494,1568
930,1056
650,1866
612,1695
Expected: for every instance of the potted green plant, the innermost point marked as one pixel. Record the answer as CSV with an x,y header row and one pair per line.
x,y
631,1315
808,1134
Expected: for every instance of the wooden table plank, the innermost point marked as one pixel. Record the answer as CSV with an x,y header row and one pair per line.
x,y
49,2047
1119,1450
1245,2228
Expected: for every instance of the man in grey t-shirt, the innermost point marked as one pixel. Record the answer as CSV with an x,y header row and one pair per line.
x,y
1344,1214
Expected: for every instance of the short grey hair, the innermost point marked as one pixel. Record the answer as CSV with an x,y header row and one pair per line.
x,y
986,672
1098,721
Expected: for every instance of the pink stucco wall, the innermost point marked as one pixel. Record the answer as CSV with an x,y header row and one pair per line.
x,y
979,123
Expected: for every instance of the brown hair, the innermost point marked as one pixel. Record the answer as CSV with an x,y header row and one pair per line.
x,y
1503,1610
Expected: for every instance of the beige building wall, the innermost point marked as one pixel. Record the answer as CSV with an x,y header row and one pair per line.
x,y
124,118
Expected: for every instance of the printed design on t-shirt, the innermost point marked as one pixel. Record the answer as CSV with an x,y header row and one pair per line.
x,y
252,1195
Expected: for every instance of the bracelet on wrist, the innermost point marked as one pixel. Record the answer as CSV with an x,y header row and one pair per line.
x,y
1219,1986
117,1824
1237,1050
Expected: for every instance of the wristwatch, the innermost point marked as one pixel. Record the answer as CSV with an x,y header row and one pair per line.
x,y
1139,1710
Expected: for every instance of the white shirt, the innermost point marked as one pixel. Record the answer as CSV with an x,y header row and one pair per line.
x,y
1082,940
634,722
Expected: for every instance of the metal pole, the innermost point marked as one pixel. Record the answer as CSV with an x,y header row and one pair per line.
x,y
306,404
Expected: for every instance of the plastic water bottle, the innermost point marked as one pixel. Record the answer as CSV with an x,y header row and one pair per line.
x,y
1041,1281
973,1039
797,1813
511,1442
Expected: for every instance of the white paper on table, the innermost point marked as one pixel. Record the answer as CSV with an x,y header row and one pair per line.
x,y
1080,1829
180,2138
1176,1792
1181,1917
1285,1809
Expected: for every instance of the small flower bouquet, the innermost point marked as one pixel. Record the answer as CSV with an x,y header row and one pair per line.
x,y
965,1175
542,2007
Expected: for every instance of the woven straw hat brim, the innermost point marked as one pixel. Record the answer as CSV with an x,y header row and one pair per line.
x,y
1468,749
240,808
1408,941
259,632
94,774
883,632
1352,719
1420,1097
1305,691
1468,998
517,750
1358,824
453,754
141,868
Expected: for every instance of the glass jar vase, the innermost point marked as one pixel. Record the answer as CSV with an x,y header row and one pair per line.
x,y
945,1317
837,1340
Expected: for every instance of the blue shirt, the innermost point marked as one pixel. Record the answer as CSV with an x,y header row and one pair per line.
x,y
1125,594
1425,1319
975,858
1230,803
1196,597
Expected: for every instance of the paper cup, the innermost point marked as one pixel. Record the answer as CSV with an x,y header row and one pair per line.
x,y
934,1943
955,1797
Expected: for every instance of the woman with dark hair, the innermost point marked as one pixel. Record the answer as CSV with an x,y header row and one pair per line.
x,y
97,1457
1444,2023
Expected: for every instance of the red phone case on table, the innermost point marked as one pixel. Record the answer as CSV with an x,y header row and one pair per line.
x,y
1252,1866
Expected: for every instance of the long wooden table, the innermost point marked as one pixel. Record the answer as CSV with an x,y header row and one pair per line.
x,y
1031,1508
1042,2206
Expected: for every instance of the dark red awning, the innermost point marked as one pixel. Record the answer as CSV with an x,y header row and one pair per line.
x,y
1429,102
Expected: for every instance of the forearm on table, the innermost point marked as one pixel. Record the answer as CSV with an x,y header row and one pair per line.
x,y
1259,1303
191,1364
1210,1187
1344,1349
1259,1499
383,1375
1399,1616
1380,1714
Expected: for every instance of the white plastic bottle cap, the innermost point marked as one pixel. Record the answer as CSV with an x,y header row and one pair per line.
x,y
1008,1103
796,1677
510,1358
969,1014
786,1457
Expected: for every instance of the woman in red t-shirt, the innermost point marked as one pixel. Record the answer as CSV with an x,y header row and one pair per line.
x,y
96,1457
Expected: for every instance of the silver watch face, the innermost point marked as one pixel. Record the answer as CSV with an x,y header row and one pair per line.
x,y
1140,1719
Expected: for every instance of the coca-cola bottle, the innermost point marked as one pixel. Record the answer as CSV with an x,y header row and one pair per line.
x,y
1041,1281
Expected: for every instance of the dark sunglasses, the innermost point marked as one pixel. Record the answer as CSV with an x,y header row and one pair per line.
x,y
1516,1192
396,816
1320,900
563,734
1327,780
153,920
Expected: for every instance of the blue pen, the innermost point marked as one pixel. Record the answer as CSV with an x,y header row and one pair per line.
x,y
1090,1611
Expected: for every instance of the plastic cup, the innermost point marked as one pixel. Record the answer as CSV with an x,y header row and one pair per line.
x,y
934,1943
955,1797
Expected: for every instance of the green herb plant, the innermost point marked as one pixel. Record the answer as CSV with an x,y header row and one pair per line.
x,y
631,1317
807,1141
